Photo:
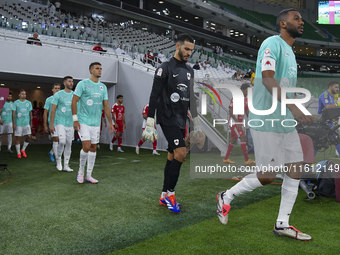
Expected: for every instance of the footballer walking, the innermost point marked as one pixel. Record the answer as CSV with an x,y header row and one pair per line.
x,y
89,98
62,123
275,145
118,117
47,121
22,122
6,122
171,94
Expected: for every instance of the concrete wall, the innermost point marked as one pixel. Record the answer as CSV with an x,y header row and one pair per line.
x,y
21,58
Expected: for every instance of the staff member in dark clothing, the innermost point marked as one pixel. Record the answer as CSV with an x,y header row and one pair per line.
x,y
171,94
34,40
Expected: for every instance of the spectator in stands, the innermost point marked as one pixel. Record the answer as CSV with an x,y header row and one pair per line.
x,y
52,9
148,58
88,29
120,51
57,6
161,57
98,47
196,66
34,39
220,67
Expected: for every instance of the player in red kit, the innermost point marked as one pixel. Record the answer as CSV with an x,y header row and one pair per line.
x,y
36,115
145,116
118,118
237,131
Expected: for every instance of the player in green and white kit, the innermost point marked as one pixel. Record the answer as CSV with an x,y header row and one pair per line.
x,y
6,122
47,118
62,123
89,98
276,145
22,122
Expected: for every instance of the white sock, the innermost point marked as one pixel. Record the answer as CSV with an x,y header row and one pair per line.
x,y
67,152
249,183
24,146
60,150
289,192
55,148
82,161
17,147
9,141
163,194
90,163
171,193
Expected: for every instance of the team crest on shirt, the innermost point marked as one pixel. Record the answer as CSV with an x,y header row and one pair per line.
x,y
101,88
27,105
326,101
176,142
188,76
159,72
267,52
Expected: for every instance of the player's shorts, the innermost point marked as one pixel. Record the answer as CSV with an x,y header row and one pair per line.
x,y
175,137
65,133
21,131
6,128
236,132
120,127
89,133
276,149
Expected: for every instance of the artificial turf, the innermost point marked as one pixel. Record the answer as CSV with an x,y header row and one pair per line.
x,y
44,211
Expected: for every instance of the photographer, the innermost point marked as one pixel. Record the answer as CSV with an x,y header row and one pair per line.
x,y
326,100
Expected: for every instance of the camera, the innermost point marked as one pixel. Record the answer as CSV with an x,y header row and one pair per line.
x,y
322,131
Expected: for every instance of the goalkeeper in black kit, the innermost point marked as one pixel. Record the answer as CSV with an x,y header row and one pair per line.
x,y
171,94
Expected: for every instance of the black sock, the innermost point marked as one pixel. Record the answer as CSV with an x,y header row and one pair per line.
x,y
174,169
166,174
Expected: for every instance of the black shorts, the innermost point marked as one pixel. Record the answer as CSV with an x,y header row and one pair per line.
x,y
175,137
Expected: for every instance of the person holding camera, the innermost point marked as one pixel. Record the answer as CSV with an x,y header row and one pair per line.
x,y
326,100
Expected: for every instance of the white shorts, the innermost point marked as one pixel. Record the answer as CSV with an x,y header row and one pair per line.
x,y
55,133
6,128
64,133
87,133
276,149
21,131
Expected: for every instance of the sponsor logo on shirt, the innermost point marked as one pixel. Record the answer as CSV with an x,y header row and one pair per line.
x,y
89,102
182,87
19,114
188,76
4,113
185,99
175,97
63,109
292,71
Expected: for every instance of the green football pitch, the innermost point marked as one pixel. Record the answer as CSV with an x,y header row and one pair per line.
x,y
44,211
325,20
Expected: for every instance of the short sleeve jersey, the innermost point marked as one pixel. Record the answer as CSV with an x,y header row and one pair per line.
x,y
22,112
90,103
36,113
325,99
48,107
6,112
63,113
274,54
239,117
118,110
